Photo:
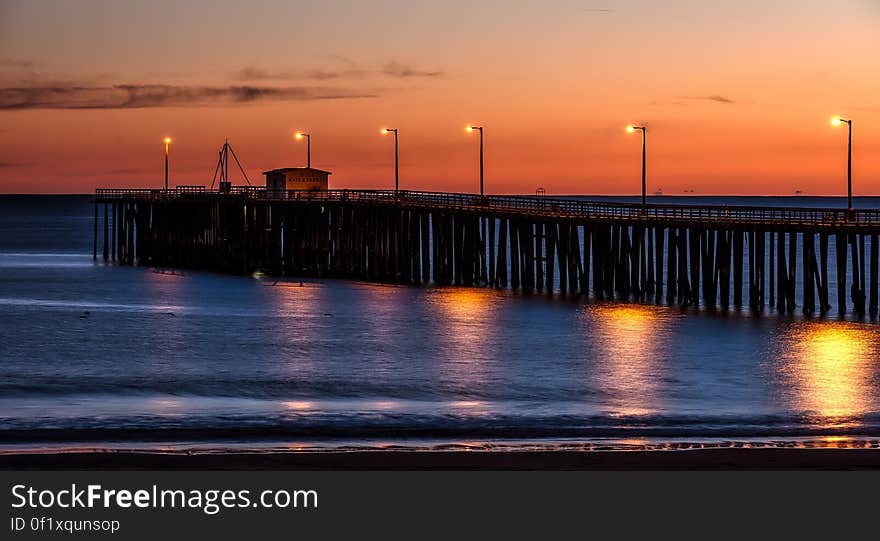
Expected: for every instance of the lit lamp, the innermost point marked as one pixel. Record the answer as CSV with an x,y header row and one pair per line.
x,y
470,129
167,142
308,137
837,121
633,129
386,131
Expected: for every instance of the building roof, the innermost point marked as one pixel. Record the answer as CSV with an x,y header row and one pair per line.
x,y
286,169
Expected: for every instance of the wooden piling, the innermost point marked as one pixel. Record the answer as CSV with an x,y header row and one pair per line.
x,y
824,303
515,254
551,244
587,260
738,248
501,279
658,264
539,236
598,257
772,268
724,252
792,271
105,246
875,259
490,280
671,265
840,249
575,268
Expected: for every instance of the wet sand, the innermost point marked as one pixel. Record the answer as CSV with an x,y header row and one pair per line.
x,y
695,459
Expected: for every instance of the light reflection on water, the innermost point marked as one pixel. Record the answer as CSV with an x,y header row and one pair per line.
x,y
829,370
630,341
465,327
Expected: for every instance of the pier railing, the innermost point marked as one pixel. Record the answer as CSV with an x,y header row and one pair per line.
x,y
531,205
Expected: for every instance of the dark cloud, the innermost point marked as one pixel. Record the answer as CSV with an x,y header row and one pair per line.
x,y
253,73
347,70
712,97
599,10
396,69
9,165
135,96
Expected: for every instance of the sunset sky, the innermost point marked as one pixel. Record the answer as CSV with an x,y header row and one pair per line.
x,y
736,96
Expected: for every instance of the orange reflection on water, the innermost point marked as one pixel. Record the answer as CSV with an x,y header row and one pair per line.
x,y
296,299
465,323
299,405
466,316
830,366
462,305
630,339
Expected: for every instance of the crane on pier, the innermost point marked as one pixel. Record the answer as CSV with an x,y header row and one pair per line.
x,y
222,169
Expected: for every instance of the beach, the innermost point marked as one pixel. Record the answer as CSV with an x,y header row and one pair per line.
x,y
694,459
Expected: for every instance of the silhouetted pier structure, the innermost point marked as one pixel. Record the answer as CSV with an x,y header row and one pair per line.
x,y
683,255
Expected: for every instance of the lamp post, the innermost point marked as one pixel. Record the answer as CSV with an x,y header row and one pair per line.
x,y
470,129
308,136
837,121
167,142
396,168
631,129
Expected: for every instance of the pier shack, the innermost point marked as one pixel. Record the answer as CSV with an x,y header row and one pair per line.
x,y
716,257
301,179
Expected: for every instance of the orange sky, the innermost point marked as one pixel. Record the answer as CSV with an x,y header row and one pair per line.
x,y
736,98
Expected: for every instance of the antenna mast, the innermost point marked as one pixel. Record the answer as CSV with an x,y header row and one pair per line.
x,y
223,169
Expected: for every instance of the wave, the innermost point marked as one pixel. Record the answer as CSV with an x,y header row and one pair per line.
x,y
46,303
319,426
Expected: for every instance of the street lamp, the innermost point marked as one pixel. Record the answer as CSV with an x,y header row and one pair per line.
x,y
632,129
167,142
837,121
470,129
308,136
396,169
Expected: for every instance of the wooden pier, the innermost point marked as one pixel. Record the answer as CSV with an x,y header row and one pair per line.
x,y
718,257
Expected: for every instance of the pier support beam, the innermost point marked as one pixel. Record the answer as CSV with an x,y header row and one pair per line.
x,y
875,259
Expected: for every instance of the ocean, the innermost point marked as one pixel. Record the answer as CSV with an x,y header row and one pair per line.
x,y
98,356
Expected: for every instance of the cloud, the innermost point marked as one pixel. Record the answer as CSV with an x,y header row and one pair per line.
x,y
9,165
396,69
599,10
347,70
712,97
137,96
254,73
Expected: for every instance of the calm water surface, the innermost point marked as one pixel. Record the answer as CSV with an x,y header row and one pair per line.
x,y
98,356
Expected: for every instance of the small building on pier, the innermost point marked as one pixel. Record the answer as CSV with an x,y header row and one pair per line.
x,y
285,179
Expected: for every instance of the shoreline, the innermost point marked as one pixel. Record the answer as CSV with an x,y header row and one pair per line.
x,y
689,459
